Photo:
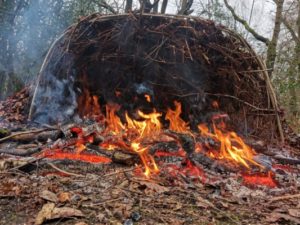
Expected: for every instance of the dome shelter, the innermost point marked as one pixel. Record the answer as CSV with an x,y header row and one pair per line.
x,y
124,58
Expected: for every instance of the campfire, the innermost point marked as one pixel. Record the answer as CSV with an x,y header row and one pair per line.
x,y
174,100
137,136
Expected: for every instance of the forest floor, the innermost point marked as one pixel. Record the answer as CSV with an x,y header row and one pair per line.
x,y
113,194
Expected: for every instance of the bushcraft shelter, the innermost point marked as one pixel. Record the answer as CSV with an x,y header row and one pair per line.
x,y
149,61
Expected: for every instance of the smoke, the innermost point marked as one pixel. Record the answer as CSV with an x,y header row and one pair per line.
x,y
36,27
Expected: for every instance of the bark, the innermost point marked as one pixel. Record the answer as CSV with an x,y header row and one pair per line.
x,y
164,6
155,7
271,52
294,75
185,8
128,7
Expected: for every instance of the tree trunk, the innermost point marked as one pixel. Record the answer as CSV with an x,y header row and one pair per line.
x,y
164,6
271,52
294,78
128,7
185,8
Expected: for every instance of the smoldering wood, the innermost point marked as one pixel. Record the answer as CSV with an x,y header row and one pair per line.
x,y
125,157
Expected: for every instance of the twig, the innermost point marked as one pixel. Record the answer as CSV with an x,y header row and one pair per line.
x,y
63,171
120,171
285,160
20,152
104,202
23,132
284,197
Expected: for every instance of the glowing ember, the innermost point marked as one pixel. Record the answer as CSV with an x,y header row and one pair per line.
x,y
60,154
260,179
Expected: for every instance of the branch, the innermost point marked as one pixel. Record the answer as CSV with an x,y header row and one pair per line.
x,y
290,29
246,25
104,5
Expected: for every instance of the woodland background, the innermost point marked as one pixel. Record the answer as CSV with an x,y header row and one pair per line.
x,y
272,27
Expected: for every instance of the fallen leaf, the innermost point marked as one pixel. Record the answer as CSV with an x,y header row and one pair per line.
x,y
294,212
49,196
65,212
64,197
45,213
81,223
155,187
49,212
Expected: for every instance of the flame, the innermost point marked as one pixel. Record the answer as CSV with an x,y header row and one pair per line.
x,y
148,98
176,123
134,133
232,147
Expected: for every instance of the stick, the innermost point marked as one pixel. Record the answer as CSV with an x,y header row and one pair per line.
x,y
285,160
20,152
21,133
120,171
284,197
63,171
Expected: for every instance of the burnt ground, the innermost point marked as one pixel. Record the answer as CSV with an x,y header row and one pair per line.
x,y
113,194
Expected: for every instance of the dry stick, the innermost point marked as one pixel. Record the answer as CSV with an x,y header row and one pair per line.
x,y
284,197
101,203
120,171
230,96
21,133
270,89
63,171
20,152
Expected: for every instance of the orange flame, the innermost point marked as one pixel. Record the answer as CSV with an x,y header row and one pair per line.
x,y
149,125
148,98
232,147
132,134
176,123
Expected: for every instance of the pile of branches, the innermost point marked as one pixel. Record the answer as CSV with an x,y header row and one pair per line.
x,y
188,59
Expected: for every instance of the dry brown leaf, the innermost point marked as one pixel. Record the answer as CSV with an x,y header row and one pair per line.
x,y
155,187
49,212
45,213
294,212
49,196
81,223
64,197
65,212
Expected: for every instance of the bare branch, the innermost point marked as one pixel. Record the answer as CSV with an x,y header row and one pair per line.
x,y
104,5
290,29
246,25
